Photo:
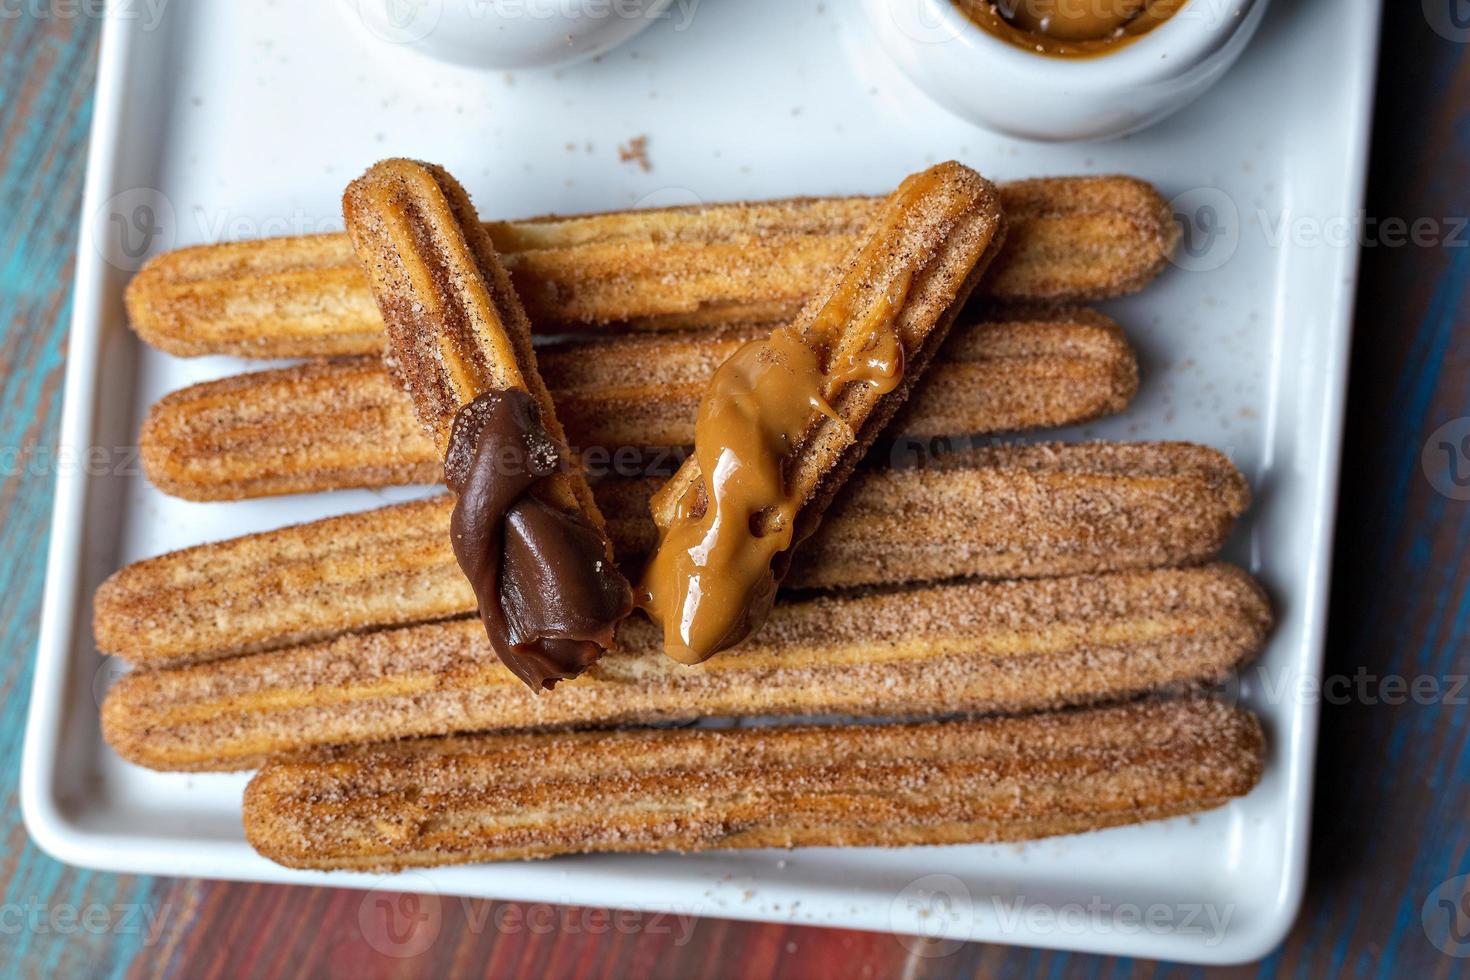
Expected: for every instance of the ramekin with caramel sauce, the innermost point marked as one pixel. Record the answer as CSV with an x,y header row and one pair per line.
x,y
1059,70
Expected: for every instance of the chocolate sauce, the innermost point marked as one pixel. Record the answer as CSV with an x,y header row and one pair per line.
x,y
549,596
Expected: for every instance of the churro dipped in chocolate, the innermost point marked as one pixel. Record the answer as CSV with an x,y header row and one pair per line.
x,y
785,419
1071,240
525,527
507,797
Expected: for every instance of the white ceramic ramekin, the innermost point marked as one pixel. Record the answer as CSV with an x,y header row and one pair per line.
x,y
992,83
506,33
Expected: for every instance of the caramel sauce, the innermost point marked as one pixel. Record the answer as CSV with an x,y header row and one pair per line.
x,y
714,575
1069,28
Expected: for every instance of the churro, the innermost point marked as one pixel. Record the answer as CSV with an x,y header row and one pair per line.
x,y
345,423
786,418
524,527
997,512
1071,239
964,647
495,798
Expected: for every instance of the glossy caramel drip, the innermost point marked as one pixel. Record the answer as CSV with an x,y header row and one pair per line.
x,y
715,572
1069,28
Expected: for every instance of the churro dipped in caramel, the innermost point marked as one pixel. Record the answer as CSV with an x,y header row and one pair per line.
x,y
785,418
525,528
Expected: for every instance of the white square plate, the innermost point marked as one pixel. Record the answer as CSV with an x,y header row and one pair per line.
x,y
237,120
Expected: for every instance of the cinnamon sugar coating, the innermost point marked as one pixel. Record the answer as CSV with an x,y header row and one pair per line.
x,y
1071,239
996,512
329,425
495,798
965,647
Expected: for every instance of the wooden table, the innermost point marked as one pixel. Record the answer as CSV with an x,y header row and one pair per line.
x,y
1393,790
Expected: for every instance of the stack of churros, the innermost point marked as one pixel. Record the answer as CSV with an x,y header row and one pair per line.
x,y
942,642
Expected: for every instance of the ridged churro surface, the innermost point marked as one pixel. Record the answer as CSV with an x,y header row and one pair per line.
x,y
1071,239
456,328
524,527
344,423
956,648
996,512
492,798
786,418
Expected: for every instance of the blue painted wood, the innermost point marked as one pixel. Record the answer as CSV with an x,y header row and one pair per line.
x,y
54,921
1394,786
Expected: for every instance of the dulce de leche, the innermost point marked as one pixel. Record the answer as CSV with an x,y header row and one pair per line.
x,y
786,417
1069,28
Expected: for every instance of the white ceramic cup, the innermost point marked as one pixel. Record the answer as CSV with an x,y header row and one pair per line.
x,y
995,84
505,33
